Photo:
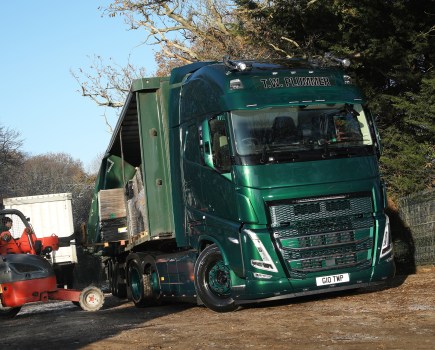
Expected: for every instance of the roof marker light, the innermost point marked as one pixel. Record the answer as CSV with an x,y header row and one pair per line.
x,y
236,65
241,66
345,62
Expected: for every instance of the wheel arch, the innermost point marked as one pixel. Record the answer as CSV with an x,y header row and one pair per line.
x,y
213,278
205,241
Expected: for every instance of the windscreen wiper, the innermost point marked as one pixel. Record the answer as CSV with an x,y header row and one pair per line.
x,y
331,152
266,157
300,146
351,142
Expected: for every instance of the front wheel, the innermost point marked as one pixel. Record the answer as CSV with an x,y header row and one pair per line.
x,y
213,280
91,299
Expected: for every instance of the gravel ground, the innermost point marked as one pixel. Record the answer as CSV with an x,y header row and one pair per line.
x,y
399,315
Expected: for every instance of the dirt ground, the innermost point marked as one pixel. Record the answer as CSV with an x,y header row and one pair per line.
x,y
399,315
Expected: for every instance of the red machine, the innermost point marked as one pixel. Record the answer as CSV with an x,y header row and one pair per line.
x,y
25,273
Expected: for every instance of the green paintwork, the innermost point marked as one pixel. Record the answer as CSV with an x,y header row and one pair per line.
x,y
155,155
141,136
270,182
217,97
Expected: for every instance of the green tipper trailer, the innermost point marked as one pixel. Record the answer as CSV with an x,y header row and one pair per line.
x,y
237,182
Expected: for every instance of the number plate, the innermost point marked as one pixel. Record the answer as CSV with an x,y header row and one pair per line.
x,y
333,279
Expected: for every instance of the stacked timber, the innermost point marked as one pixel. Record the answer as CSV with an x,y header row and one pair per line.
x,y
113,215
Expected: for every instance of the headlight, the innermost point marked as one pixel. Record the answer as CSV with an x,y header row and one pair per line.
x,y
266,262
387,244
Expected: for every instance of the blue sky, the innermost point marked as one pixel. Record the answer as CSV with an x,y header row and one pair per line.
x,y
40,42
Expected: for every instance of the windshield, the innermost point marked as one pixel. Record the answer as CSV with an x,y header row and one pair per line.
x,y
311,129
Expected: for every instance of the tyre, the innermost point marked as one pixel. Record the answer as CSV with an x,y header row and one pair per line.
x,y
9,312
91,299
143,284
213,280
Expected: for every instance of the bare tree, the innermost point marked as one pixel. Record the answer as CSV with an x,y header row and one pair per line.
x,y
57,173
50,173
186,31
94,166
107,84
11,159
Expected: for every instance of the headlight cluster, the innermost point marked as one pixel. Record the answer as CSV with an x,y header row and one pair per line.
x,y
387,243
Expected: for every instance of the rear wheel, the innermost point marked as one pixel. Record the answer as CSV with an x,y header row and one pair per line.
x,y
144,284
91,299
213,280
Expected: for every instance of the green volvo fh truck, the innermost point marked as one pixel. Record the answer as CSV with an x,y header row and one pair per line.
x,y
237,182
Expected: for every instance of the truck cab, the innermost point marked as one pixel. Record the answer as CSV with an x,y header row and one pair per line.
x,y
280,172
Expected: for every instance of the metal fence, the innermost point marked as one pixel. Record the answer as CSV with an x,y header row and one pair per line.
x,y
414,231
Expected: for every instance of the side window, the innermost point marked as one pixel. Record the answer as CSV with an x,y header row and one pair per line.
x,y
191,144
219,145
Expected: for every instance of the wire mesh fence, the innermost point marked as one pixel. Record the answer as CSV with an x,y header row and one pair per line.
x,y
415,243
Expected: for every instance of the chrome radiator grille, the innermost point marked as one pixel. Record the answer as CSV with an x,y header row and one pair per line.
x,y
323,233
319,209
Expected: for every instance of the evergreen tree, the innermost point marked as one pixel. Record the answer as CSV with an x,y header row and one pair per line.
x,y
391,44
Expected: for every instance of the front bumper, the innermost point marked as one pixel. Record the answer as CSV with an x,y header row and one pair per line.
x,y
257,290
